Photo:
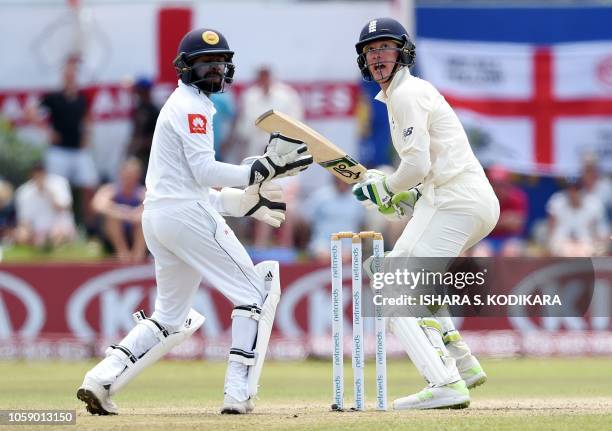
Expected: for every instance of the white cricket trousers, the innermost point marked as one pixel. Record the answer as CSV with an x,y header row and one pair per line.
x,y
190,241
463,213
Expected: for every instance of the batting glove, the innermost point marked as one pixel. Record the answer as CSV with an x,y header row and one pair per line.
x,y
263,202
283,157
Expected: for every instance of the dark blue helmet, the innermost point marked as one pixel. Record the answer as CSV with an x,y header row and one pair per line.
x,y
385,29
210,76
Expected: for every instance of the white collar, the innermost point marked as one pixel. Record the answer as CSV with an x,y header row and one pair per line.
x,y
195,91
399,76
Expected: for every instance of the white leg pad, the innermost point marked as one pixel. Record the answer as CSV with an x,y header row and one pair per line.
x,y
423,354
135,365
269,271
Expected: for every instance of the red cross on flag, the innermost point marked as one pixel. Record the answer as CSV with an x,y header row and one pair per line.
x,y
531,108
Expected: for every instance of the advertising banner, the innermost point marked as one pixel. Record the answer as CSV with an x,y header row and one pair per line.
x,y
72,311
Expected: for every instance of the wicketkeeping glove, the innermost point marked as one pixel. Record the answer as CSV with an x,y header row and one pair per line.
x,y
263,202
283,157
373,189
404,202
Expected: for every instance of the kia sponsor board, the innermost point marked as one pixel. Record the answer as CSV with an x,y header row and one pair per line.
x,y
74,311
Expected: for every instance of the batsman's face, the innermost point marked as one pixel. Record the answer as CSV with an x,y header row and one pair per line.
x,y
210,68
381,56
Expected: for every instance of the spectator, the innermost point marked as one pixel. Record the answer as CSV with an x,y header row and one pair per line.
x,y
598,185
69,123
120,205
509,231
144,118
7,209
266,93
577,222
224,123
332,209
44,210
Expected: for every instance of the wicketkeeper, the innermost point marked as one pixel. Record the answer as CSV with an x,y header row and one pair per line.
x,y
442,185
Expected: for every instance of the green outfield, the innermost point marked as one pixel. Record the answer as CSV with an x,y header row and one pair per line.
x,y
522,394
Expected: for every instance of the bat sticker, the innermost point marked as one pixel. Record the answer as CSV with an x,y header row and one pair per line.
x,y
342,165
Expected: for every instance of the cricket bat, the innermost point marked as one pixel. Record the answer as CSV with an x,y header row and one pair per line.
x,y
323,151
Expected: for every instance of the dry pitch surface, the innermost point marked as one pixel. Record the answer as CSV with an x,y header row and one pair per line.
x,y
522,394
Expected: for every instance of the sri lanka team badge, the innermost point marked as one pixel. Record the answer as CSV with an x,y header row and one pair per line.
x,y
210,37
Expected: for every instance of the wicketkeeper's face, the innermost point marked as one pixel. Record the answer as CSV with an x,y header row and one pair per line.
x,y
381,57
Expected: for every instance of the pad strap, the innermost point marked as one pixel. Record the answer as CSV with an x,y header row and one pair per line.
x,y
430,323
160,332
242,356
249,311
123,353
450,336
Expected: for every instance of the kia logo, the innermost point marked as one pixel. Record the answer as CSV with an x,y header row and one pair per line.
x,y
573,278
76,307
35,310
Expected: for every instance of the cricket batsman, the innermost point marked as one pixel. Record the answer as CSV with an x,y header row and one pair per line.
x,y
189,239
442,185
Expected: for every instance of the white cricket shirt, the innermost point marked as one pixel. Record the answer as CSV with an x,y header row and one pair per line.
x,y
182,163
427,135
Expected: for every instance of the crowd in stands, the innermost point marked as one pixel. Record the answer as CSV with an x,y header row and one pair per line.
x,y
64,199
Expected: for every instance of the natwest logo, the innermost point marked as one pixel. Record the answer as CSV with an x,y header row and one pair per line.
x,y
197,123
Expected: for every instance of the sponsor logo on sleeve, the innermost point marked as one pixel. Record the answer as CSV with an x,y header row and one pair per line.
x,y
197,123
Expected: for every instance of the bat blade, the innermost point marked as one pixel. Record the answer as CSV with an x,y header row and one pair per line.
x,y
324,152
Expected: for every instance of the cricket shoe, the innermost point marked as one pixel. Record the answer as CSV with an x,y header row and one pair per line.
x,y
231,406
96,398
452,396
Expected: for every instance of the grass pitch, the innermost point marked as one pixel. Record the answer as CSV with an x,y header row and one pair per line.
x,y
521,394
